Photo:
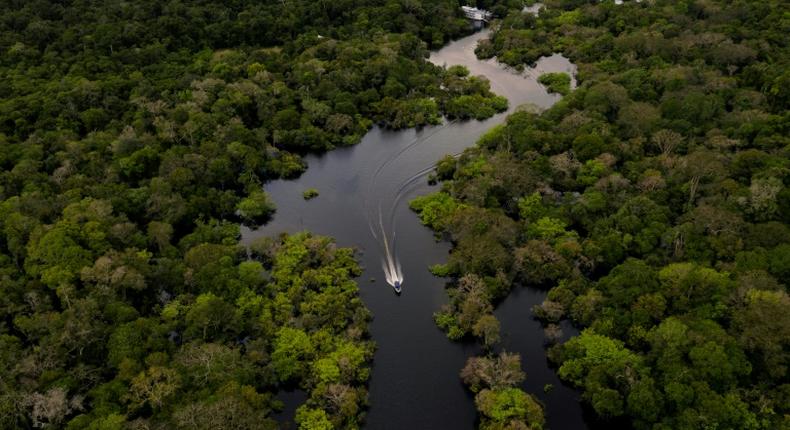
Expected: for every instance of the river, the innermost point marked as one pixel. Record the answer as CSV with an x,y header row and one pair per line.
x,y
414,382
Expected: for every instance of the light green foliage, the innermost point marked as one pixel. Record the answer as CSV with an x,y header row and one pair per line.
x,y
474,168
191,385
556,82
251,274
312,419
57,256
440,270
492,136
58,252
256,207
448,322
292,349
531,207
445,168
435,209
310,193
501,407
590,350
590,172
344,365
570,17
326,370
110,422
549,229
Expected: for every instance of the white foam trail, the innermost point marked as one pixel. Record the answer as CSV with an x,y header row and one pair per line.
x,y
392,272
410,181
391,266
417,139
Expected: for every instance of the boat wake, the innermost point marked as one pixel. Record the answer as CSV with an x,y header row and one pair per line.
x,y
389,263
392,271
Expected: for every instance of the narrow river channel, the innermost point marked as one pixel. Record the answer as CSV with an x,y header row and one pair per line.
x,y
414,382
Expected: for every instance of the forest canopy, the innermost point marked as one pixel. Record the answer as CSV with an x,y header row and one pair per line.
x,y
651,202
134,138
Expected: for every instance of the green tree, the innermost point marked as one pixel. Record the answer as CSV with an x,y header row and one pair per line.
x,y
312,419
503,407
292,348
256,207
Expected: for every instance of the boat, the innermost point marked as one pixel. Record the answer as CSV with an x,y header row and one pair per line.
x,y
397,287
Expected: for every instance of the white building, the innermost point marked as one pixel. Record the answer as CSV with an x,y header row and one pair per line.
x,y
476,14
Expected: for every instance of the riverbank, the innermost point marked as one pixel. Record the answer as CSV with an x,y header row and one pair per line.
x,y
414,382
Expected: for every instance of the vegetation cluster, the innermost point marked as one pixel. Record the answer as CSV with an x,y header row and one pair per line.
x,y
134,137
502,405
652,202
559,83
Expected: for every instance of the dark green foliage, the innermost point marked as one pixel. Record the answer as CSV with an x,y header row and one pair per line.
x,y
650,201
134,138
231,74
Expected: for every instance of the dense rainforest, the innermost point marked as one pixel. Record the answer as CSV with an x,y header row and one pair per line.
x,y
652,202
134,138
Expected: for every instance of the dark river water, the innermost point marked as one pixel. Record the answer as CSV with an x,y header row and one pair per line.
x,y
365,189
